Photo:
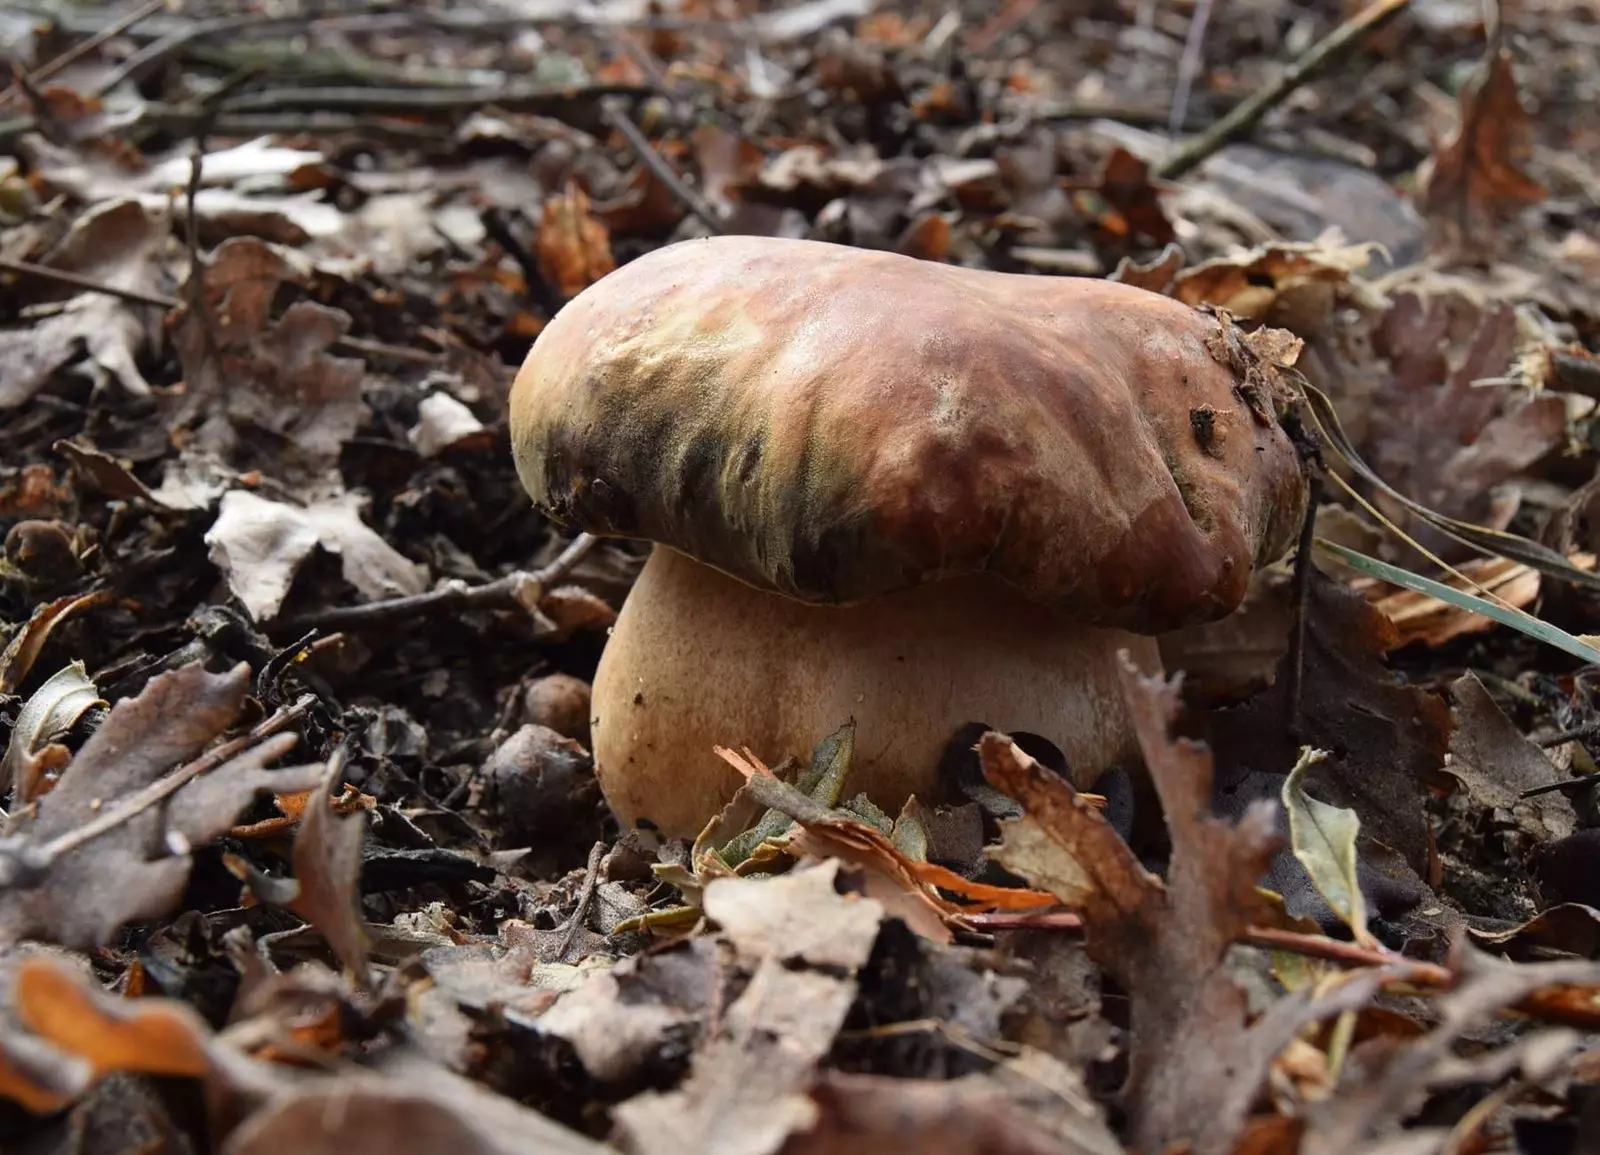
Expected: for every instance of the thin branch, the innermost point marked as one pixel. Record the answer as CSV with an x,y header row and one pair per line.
x,y
1189,65
136,804
87,284
520,588
1302,599
612,113
84,47
1339,43
421,101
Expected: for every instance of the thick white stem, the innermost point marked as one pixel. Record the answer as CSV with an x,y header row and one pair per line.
x,y
697,659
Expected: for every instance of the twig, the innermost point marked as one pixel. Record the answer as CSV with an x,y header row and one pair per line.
x,y
612,113
1268,938
163,787
514,589
416,101
1337,44
591,881
87,284
1302,595
84,47
1189,65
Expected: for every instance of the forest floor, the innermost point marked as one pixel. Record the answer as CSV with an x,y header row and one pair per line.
x,y
302,839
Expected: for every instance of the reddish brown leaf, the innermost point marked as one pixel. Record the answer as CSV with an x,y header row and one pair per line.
x,y
1476,177
574,249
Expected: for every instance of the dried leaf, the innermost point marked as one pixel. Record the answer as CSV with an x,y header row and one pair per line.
x,y
16,660
1194,1069
803,944
260,545
1475,178
52,710
327,865
1125,185
276,376
1029,1105
1295,286
1324,839
574,249
444,423
1498,765
117,244
80,895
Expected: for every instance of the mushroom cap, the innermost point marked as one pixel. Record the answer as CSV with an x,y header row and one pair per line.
x,y
832,423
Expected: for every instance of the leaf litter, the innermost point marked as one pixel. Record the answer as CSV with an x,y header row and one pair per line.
x,y
302,840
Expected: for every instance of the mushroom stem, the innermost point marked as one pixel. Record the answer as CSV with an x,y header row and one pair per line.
x,y
698,659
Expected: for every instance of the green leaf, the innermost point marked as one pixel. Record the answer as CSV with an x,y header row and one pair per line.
x,y
1324,839
1516,619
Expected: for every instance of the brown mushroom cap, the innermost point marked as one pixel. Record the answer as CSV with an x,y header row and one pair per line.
x,y
832,424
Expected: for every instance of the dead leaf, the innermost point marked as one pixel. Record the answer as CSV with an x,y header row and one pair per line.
x,y
574,249
1386,739
1194,1067
1125,186
1287,285
1385,1080
443,423
1476,177
77,888
273,376
119,244
801,943
52,710
260,545
1028,1105
1497,765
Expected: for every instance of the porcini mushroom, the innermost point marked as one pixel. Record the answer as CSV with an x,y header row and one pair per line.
x,y
905,492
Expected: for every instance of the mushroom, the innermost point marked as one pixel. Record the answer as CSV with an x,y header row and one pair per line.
x,y
903,492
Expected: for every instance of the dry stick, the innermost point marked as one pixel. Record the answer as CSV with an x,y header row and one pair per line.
x,y
1302,595
1188,66
502,593
1269,938
83,48
422,101
161,788
613,115
1337,44
161,301
591,881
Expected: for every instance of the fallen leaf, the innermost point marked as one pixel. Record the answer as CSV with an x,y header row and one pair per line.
x,y
52,710
801,943
1324,840
1295,286
573,248
16,660
1498,765
118,244
1476,178
1028,1105
1194,1068
273,376
1569,928
260,545
82,865
1386,739
444,423
1125,186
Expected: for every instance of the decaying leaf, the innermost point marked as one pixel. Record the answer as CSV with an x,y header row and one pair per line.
x,y
1284,284
260,545
1029,1105
1194,1065
397,1103
104,847
276,377
120,244
801,942
1476,177
52,710
325,890
1498,765
574,249
1385,1079
1386,740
